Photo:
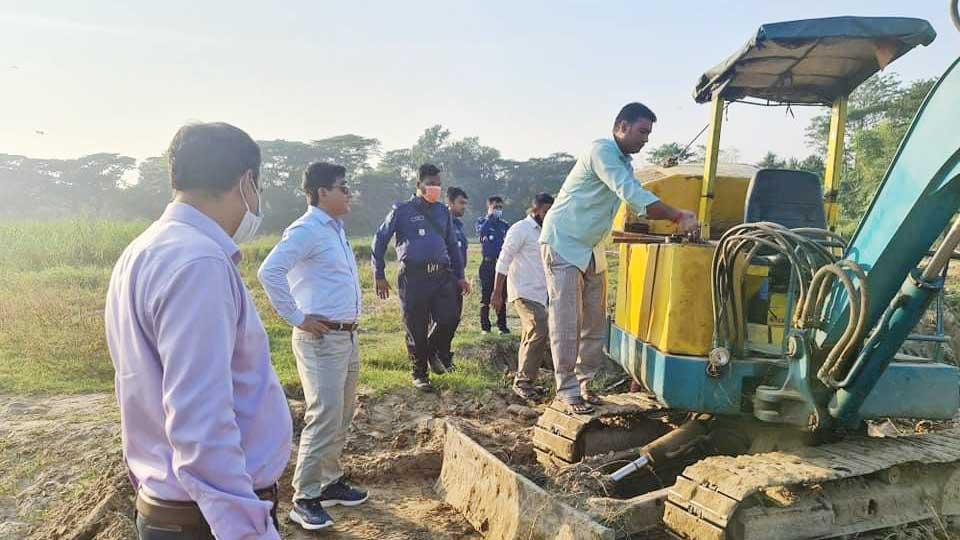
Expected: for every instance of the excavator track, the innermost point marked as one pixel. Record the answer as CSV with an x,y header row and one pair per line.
x,y
623,421
853,486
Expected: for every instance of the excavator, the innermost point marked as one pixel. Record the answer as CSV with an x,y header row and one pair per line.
x,y
764,347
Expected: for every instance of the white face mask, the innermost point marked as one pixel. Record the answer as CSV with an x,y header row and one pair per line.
x,y
250,222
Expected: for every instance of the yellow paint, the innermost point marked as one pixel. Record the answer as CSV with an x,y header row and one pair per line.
x,y
834,165
710,165
682,190
666,299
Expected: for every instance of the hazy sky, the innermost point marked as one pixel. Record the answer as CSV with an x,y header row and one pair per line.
x,y
527,77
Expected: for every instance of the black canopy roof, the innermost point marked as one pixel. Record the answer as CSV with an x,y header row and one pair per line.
x,y
814,60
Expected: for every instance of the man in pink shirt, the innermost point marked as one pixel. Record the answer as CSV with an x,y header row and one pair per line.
x,y
205,425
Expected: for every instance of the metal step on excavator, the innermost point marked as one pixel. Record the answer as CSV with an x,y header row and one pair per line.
x,y
764,346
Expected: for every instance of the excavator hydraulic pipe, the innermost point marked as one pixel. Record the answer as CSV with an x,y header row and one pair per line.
x,y
900,318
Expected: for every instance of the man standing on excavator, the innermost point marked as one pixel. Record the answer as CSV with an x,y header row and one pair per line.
x,y
573,256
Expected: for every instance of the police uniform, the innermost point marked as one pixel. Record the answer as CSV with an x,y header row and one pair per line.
x,y
434,337
492,230
430,267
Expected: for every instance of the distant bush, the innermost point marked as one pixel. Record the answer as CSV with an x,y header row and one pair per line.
x,y
28,245
36,245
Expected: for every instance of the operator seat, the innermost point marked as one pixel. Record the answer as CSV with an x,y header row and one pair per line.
x,y
791,198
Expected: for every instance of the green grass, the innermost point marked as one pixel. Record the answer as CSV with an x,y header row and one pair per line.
x,y
53,280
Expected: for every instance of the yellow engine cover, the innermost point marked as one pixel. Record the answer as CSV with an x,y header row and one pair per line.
x,y
664,296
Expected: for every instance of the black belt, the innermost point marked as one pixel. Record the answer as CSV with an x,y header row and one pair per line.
x,y
489,259
426,268
342,326
337,326
187,513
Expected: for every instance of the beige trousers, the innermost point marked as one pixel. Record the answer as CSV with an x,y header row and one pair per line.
x,y
534,340
329,367
577,320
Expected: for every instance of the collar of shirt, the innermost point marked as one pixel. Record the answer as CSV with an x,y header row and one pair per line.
x,y
184,213
533,222
325,218
623,157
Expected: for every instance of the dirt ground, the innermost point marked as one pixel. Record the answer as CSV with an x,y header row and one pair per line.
x,y
62,476
61,459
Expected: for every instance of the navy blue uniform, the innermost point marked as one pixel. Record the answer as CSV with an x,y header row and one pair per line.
x,y
492,231
430,266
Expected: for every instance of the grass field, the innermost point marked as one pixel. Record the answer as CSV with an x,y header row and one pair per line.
x,y
53,278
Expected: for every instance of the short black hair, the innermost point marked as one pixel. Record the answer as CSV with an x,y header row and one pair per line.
x,y
494,199
427,169
453,192
211,157
631,112
320,175
542,198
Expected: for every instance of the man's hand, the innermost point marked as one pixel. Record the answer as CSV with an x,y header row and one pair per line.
x,y
464,287
686,222
314,326
383,289
496,299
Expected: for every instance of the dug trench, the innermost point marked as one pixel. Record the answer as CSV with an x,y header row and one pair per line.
x,y
64,478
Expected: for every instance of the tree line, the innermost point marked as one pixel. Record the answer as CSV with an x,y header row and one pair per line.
x,y
879,113
114,186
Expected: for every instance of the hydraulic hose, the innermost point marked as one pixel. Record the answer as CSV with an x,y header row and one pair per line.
x,y
955,13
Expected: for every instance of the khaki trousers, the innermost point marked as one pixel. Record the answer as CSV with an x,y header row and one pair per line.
x,y
534,340
577,320
329,367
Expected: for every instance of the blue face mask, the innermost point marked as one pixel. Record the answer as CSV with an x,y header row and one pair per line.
x,y
497,214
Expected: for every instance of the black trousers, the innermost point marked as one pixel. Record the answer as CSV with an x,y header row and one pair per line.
x,y
488,276
428,298
434,338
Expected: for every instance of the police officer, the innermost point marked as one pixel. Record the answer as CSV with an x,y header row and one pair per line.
x,y
431,271
457,202
492,229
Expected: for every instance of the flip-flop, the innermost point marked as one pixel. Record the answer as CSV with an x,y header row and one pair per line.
x,y
526,393
579,407
591,398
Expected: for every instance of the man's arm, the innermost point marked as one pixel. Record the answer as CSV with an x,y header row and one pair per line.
x,y
453,248
196,322
513,242
619,178
380,242
613,172
295,245
481,222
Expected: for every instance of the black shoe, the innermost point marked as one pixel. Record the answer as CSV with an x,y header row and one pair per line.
x,y
309,514
504,331
437,366
343,494
423,384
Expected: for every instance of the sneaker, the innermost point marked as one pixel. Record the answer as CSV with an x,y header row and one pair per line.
x,y
437,366
504,331
309,514
423,384
485,332
342,493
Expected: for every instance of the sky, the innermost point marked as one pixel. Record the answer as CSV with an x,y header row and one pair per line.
x,y
527,77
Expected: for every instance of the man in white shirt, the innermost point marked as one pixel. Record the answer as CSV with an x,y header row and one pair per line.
x,y
312,281
520,269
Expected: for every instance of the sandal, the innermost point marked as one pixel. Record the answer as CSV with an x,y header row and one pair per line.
x,y
578,407
526,393
591,398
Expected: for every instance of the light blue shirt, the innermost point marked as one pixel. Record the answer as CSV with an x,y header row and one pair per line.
x,y
203,416
583,212
312,271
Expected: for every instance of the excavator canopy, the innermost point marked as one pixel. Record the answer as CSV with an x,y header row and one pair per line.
x,y
812,61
